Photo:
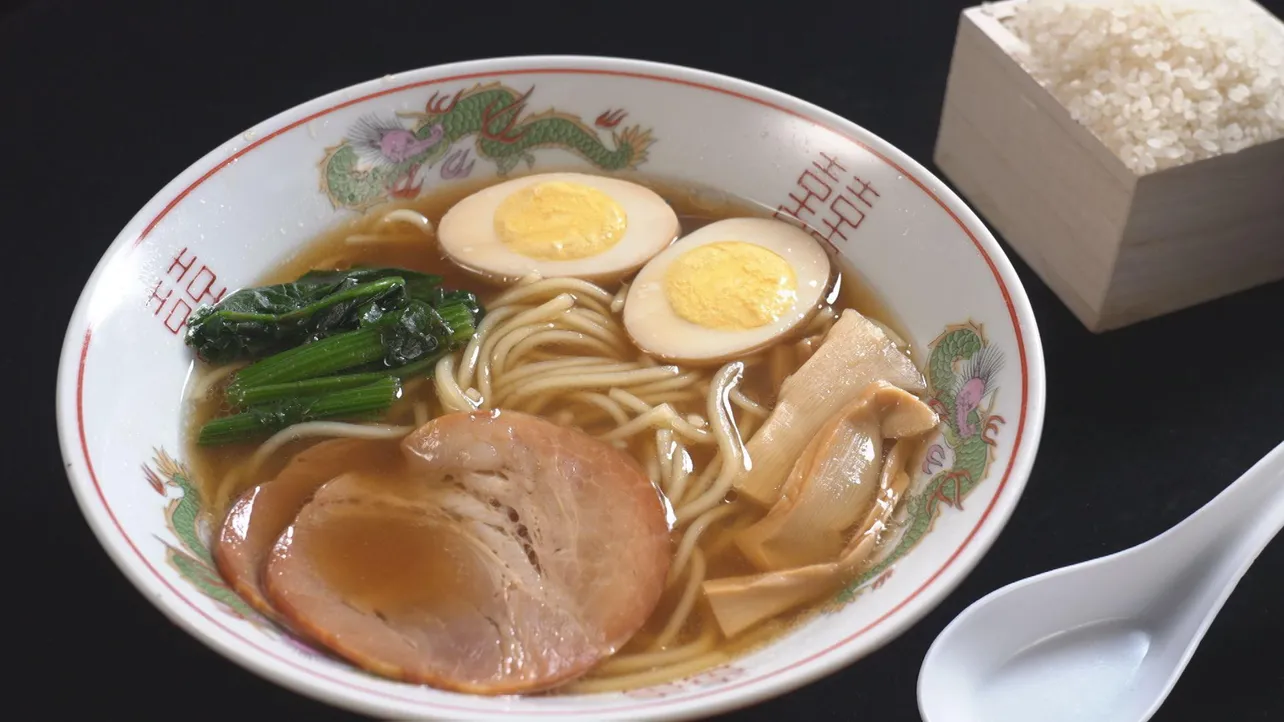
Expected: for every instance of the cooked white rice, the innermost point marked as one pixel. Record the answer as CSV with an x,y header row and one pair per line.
x,y
1161,82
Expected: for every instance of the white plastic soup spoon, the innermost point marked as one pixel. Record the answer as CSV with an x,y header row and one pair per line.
x,y
1104,640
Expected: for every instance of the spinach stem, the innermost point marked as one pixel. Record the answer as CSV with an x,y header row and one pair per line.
x,y
266,419
242,397
326,356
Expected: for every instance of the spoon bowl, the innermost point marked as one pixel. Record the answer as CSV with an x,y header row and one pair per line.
x,y
1103,640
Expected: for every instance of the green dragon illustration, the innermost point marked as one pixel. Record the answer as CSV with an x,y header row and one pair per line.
x,y
381,159
961,371
191,558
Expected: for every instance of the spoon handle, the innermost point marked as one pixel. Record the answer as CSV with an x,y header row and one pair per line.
x,y
1250,512
1214,547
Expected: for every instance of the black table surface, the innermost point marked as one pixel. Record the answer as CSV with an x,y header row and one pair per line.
x,y
105,102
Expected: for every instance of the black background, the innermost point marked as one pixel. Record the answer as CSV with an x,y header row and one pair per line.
x,y
103,103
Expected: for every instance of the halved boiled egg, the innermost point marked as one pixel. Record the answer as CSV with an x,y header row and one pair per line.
x,y
595,228
726,290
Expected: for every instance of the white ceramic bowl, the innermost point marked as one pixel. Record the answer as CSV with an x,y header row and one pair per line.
x,y
255,199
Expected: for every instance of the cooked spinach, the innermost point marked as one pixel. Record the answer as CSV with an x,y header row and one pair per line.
x,y
394,339
425,287
264,419
255,322
331,344
255,395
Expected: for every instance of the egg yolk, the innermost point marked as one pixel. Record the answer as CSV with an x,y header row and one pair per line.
x,y
559,221
730,285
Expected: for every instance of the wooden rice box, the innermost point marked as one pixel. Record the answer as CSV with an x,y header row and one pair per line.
x,y
1115,246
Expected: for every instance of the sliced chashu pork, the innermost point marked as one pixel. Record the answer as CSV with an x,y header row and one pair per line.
x,y
855,353
513,556
258,516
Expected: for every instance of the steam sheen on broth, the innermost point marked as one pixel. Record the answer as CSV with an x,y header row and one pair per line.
x,y
555,353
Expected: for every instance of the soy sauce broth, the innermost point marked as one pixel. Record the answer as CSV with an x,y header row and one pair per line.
x,y
348,565
695,205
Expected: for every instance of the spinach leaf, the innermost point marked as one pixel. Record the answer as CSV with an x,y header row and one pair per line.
x,y
256,322
423,286
412,333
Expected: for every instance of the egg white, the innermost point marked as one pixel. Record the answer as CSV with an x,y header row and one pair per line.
x,y
657,329
467,234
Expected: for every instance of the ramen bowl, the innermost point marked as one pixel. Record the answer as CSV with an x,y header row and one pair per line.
x,y
255,200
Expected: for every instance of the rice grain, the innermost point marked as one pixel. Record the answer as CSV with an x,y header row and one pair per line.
x,y
1160,82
